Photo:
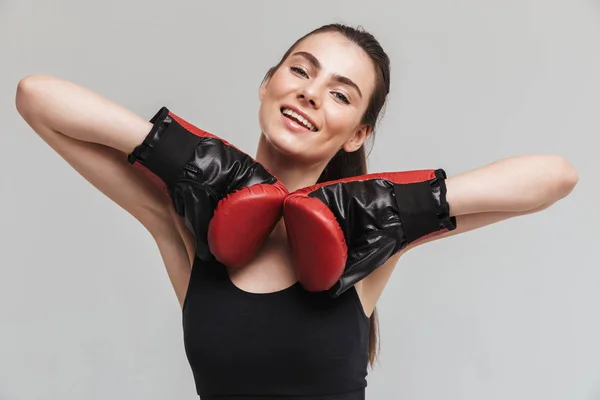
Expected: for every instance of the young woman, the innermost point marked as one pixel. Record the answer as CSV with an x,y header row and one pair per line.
x,y
254,329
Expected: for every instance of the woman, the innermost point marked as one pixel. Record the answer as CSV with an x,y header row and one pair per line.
x,y
253,330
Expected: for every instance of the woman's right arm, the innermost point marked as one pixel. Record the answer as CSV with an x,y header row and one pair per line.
x,y
94,135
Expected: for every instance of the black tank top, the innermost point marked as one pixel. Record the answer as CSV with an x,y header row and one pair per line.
x,y
290,343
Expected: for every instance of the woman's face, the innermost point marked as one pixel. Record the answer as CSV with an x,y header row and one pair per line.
x,y
328,81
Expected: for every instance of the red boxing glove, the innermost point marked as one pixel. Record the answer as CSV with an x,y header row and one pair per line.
x,y
341,231
228,200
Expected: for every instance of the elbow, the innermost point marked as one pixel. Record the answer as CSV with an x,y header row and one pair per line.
x,y
565,179
25,94
558,177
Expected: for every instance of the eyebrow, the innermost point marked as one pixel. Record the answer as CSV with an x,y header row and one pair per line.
x,y
336,77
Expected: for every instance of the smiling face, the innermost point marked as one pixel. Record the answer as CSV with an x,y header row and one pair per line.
x,y
314,102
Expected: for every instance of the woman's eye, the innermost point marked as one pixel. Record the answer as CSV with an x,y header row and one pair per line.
x,y
342,97
299,71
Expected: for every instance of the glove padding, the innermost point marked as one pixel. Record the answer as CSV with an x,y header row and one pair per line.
x,y
228,200
341,231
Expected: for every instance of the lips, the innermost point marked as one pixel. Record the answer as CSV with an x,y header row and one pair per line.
x,y
299,117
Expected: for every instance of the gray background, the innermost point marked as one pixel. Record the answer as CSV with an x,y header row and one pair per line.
x,y
506,312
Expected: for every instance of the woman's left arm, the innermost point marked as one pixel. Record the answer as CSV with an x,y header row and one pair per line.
x,y
505,189
499,191
514,185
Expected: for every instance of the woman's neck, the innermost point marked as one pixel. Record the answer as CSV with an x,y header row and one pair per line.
x,y
292,174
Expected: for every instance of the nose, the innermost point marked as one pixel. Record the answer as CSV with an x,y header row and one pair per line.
x,y
308,96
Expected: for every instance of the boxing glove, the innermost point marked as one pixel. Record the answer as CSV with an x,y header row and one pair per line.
x,y
341,231
228,200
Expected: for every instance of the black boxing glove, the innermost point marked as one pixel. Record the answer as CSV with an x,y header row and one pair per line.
x,y
341,231
228,200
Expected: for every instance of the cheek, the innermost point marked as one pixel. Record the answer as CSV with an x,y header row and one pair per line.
x,y
341,120
266,116
279,85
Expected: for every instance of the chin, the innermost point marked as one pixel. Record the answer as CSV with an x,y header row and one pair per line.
x,y
301,155
286,144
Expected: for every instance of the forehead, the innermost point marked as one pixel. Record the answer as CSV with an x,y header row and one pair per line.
x,y
338,55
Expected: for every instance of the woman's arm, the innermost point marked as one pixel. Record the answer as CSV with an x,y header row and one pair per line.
x,y
513,185
470,222
500,191
93,134
80,113
505,189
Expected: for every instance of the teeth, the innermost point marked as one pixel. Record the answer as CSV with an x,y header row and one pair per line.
x,y
299,118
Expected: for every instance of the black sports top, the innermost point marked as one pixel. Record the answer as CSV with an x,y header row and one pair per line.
x,y
287,344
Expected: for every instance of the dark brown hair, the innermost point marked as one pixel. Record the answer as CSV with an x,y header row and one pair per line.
x,y
344,164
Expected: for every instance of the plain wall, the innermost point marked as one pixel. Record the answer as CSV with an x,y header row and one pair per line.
x,y
509,311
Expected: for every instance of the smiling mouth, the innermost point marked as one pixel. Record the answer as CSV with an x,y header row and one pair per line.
x,y
298,119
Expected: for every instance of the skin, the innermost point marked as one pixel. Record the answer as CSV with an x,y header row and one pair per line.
x,y
94,135
336,108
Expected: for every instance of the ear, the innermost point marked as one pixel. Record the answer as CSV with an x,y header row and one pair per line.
x,y
357,139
